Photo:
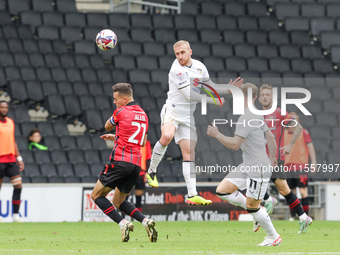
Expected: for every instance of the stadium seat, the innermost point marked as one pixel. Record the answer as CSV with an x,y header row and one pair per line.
x,y
65,169
96,168
81,169
73,74
164,35
301,65
77,19
91,155
72,105
75,156
93,120
205,22
187,35
37,59
10,32
314,105
141,89
311,51
335,54
97,19
119,20
211,8
45,46
26,127
165,62
323,65
214,63
336,132
221,50
184,21
257,64
80,87
141,34
85,47
82,60
283,10
236,64
70,34
312,10
232,37
160,76
34,91
29,46
27,156
105,154
331,105
247,23
5,17
15,45
6,59
210,36
314,79
153,48
267,51
42,156
327,118
272,77
21,140
321,24
3,45
48,169
72,179
257,8
56,179
297,23
147,62
15,7
256,37
27,73
17,90
55,105
234,9
102,102
89,179
2,78
87,102
21,59
53,18
279,64
140,20
48,32
148,103
226,23
245,50
31,169
66,6
268,23
98,143
52,142
278,37
52,60
96,61
333,9
328,38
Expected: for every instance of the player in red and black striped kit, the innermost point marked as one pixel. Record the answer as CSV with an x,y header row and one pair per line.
x,y
122,172
275,122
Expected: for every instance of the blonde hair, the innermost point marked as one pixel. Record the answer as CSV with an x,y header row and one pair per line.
x,y
244,87
182,42
266,86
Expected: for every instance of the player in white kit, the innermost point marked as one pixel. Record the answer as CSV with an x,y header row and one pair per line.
x,y
178,120
253,174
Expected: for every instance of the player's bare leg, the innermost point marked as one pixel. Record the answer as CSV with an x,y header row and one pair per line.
x,y
127,207
189,172
98,195
168,132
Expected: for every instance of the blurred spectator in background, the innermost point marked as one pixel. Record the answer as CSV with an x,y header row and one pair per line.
x,y
11,163
297,161
35,140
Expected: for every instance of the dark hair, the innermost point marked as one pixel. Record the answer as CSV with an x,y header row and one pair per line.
x,y
3,101
122,88
33,131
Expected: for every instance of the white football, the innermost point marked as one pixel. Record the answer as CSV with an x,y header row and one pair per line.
x,y
106,39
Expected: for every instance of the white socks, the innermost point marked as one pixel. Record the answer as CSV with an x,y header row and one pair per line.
x,y
187,168
121,223
235,198
268,200
157,155
303,217
263,218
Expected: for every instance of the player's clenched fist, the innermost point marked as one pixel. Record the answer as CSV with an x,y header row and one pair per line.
x,y
212,131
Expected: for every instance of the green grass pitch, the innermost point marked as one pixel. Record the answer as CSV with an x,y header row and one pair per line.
x,y
229,237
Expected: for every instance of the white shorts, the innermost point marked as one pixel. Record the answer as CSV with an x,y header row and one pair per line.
x,y
256,186
185,126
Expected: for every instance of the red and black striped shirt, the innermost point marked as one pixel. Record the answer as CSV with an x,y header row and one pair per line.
x,y
131,127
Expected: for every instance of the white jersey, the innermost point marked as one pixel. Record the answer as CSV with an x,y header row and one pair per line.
x,y
179,77
254,144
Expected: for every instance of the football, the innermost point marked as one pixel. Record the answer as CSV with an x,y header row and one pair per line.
x,y
106,39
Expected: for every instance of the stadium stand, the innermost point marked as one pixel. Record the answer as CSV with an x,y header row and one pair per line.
x,y
48,59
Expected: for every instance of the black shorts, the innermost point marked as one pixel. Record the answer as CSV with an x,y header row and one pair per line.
x,y
120,174
279,173
140,184
9,170
295,179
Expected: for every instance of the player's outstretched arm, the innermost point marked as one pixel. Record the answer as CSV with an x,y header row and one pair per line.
x,y
271,147
222,88
233,143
